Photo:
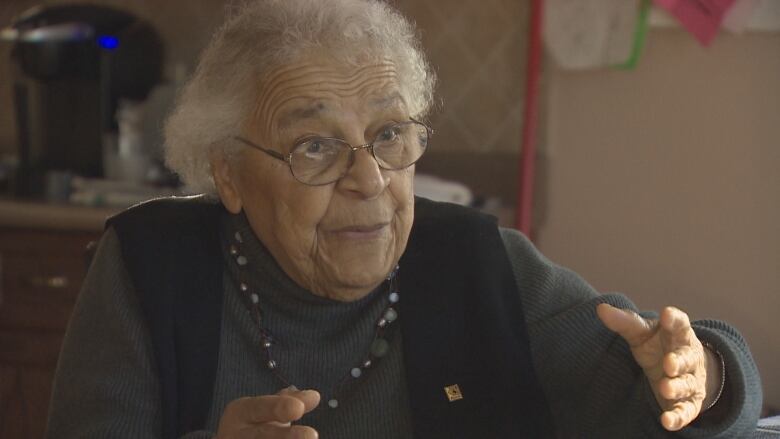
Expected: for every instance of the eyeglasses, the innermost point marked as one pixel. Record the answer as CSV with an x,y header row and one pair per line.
x,y
318,161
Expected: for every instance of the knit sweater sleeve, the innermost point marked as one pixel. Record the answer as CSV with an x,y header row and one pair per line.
x,y
106,382
593,385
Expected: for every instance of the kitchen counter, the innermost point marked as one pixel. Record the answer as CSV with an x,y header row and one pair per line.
x,y
43,262
47,216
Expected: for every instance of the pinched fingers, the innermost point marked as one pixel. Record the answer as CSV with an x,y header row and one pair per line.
x,y
268,416
272,431
310,398
266,408
681,414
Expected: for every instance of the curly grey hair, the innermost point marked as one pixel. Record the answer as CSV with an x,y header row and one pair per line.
x,y
261,35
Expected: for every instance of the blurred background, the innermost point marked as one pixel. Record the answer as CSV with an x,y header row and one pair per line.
x,y
657,150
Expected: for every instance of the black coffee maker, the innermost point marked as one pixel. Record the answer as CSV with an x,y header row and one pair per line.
x,y
71,65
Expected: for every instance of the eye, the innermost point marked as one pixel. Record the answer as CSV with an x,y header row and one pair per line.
x,y
314,147
389,134
317,149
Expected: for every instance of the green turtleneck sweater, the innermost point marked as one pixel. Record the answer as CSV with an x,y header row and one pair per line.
x,y
106,383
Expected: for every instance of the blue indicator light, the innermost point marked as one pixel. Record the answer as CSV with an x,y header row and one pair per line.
x,y
108,42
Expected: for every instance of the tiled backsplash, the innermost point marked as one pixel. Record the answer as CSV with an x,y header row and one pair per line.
x,y
478,49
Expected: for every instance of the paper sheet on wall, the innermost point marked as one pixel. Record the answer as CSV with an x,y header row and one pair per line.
x,y
738,17
702,18
766,16
590,34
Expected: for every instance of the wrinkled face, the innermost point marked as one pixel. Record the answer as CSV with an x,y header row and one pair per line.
x,y
338,240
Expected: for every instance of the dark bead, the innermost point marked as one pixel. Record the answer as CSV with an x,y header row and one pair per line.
x,y
379,347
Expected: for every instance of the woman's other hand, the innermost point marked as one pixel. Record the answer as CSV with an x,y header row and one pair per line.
x,y
673,359
269,416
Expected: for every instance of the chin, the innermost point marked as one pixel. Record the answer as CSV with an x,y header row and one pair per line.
x,y
361,282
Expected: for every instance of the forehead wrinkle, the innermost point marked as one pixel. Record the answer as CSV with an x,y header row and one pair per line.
x,y
358,89
274,86
324,75
274,74
354,89
271,88
333,86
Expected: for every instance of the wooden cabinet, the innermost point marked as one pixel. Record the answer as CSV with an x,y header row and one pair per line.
x,y
41,272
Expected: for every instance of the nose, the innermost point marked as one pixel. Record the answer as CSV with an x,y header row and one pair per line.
x,y
364,178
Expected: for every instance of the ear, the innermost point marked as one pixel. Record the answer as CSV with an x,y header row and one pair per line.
x,y
225,181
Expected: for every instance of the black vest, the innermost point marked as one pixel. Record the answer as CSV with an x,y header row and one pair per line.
x,y
462,321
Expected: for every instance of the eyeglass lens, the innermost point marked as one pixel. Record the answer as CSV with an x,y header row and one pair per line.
x,y
322,160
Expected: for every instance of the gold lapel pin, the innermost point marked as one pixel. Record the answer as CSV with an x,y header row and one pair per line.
x,y
453,392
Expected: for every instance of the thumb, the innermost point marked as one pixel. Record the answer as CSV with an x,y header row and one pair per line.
x,y
631,326
309,398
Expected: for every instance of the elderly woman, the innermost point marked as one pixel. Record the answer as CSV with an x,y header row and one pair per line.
x,y
309,293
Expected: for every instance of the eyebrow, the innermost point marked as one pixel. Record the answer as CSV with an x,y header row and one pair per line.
x,y
310,111
315,108
388,101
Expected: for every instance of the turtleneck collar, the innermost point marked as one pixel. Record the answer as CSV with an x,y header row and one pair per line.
x,y
262,269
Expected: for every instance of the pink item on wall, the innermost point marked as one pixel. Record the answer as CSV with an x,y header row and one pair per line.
x,y
525,194
702,18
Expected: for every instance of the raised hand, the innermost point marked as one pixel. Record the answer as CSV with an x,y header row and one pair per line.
x,y
683,374
269,416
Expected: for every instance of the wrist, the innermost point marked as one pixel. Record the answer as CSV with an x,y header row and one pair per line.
x,y
716,376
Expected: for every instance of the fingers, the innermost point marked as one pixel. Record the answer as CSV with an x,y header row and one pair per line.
x,y
670,355
682,387
681,414
310,398
684,367
676,326
629,325
282,408
269,431
682,360
269,416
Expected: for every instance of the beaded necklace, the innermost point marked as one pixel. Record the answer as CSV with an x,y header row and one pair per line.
x,y
379,344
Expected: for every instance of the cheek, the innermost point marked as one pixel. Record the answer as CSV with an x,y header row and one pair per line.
x,y
283,212
402,188
299,215
402,191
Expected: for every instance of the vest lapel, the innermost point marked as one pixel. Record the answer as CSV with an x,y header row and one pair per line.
x,y
462,324
432,325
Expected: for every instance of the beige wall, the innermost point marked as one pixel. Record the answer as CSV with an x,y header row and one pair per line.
x,y
664,182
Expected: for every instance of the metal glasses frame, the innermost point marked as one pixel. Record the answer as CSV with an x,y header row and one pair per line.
x,y
287,158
